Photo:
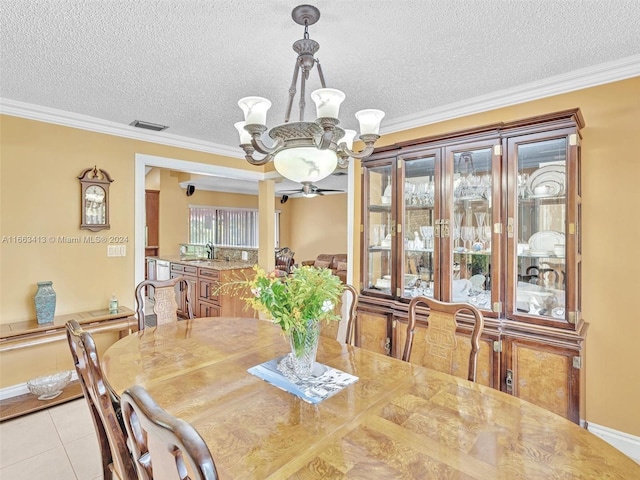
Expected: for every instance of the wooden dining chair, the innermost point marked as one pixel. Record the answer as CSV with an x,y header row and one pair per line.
x,y
163,446
103,405
332,329
440,336
353,312
165,306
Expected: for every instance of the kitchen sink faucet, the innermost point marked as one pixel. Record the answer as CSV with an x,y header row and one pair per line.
x,y
211,251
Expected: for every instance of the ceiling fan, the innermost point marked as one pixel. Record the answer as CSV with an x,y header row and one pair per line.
x,y
307,190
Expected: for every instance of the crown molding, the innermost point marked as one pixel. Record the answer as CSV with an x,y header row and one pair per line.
x,y
576,80
85,122
595,75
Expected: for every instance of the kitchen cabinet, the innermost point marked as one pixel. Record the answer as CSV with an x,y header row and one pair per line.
x,y
150,274
208,293
488,216
213,301
190,273
152,224
207,299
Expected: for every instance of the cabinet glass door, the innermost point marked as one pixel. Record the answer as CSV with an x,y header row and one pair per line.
x,y
420,197
474,208
379,228
538,247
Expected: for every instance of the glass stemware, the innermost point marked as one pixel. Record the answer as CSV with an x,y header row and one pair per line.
x,y
457,218
484,236
468,235
427,235
382,232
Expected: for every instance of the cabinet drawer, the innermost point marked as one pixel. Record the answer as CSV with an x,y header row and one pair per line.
x,y
208,273
208,310
208,290
185,269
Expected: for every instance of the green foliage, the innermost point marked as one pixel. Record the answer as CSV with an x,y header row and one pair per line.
x,y
308,293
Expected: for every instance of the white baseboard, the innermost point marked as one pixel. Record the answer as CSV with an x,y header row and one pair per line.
x,y
21,388
625,442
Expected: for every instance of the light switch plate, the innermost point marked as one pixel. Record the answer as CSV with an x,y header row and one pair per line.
x,y
116,250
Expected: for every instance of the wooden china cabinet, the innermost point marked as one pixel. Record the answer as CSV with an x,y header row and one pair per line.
x,y
489,216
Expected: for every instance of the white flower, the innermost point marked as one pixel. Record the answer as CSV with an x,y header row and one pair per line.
x,y
256,291
327,306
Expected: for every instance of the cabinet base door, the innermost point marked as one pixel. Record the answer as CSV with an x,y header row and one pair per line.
x,y
372,332
544,375
208,310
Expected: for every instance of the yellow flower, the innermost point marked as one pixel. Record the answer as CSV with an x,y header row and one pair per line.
x,y
308,293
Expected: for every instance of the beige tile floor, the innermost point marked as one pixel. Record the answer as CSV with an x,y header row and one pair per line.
x,y
58,443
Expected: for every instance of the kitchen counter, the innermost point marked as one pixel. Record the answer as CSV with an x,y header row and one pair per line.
x,y
204,263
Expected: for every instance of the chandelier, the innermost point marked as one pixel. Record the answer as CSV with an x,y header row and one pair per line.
x,y
306,152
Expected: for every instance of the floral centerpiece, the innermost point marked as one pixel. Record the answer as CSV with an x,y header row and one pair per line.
x,y
298,303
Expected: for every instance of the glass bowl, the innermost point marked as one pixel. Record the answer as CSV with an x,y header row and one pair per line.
x,y
49,386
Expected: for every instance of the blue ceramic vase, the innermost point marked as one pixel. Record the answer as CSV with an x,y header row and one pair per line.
x,y
45,301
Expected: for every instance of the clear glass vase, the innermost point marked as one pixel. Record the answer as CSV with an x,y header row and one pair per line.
x,y
304,346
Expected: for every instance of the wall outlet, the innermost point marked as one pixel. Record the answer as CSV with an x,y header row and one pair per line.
x,y
245,255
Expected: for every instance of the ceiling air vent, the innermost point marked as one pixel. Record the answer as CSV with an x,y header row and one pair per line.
x,y
149,126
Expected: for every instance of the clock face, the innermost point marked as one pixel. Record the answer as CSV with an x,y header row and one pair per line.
x,y
95,193
95,207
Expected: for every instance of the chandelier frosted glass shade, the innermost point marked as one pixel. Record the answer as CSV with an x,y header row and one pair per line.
x,y
302,151
255,109
305,164
245,137
370,121
327,102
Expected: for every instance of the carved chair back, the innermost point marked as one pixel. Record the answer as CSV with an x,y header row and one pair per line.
x,y
284,259
343,330
440,336
165,306
116,460
349,337
163,447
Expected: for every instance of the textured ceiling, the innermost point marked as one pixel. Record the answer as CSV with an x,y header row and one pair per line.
x,y
186,63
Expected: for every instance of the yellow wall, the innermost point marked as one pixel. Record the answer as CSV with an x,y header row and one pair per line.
x,y
318,225
174,209
610,233
152,179
39,195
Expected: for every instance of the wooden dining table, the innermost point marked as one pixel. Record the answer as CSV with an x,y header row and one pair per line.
x,y
397,421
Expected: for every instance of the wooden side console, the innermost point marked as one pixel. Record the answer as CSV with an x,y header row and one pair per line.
x,y
30,334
